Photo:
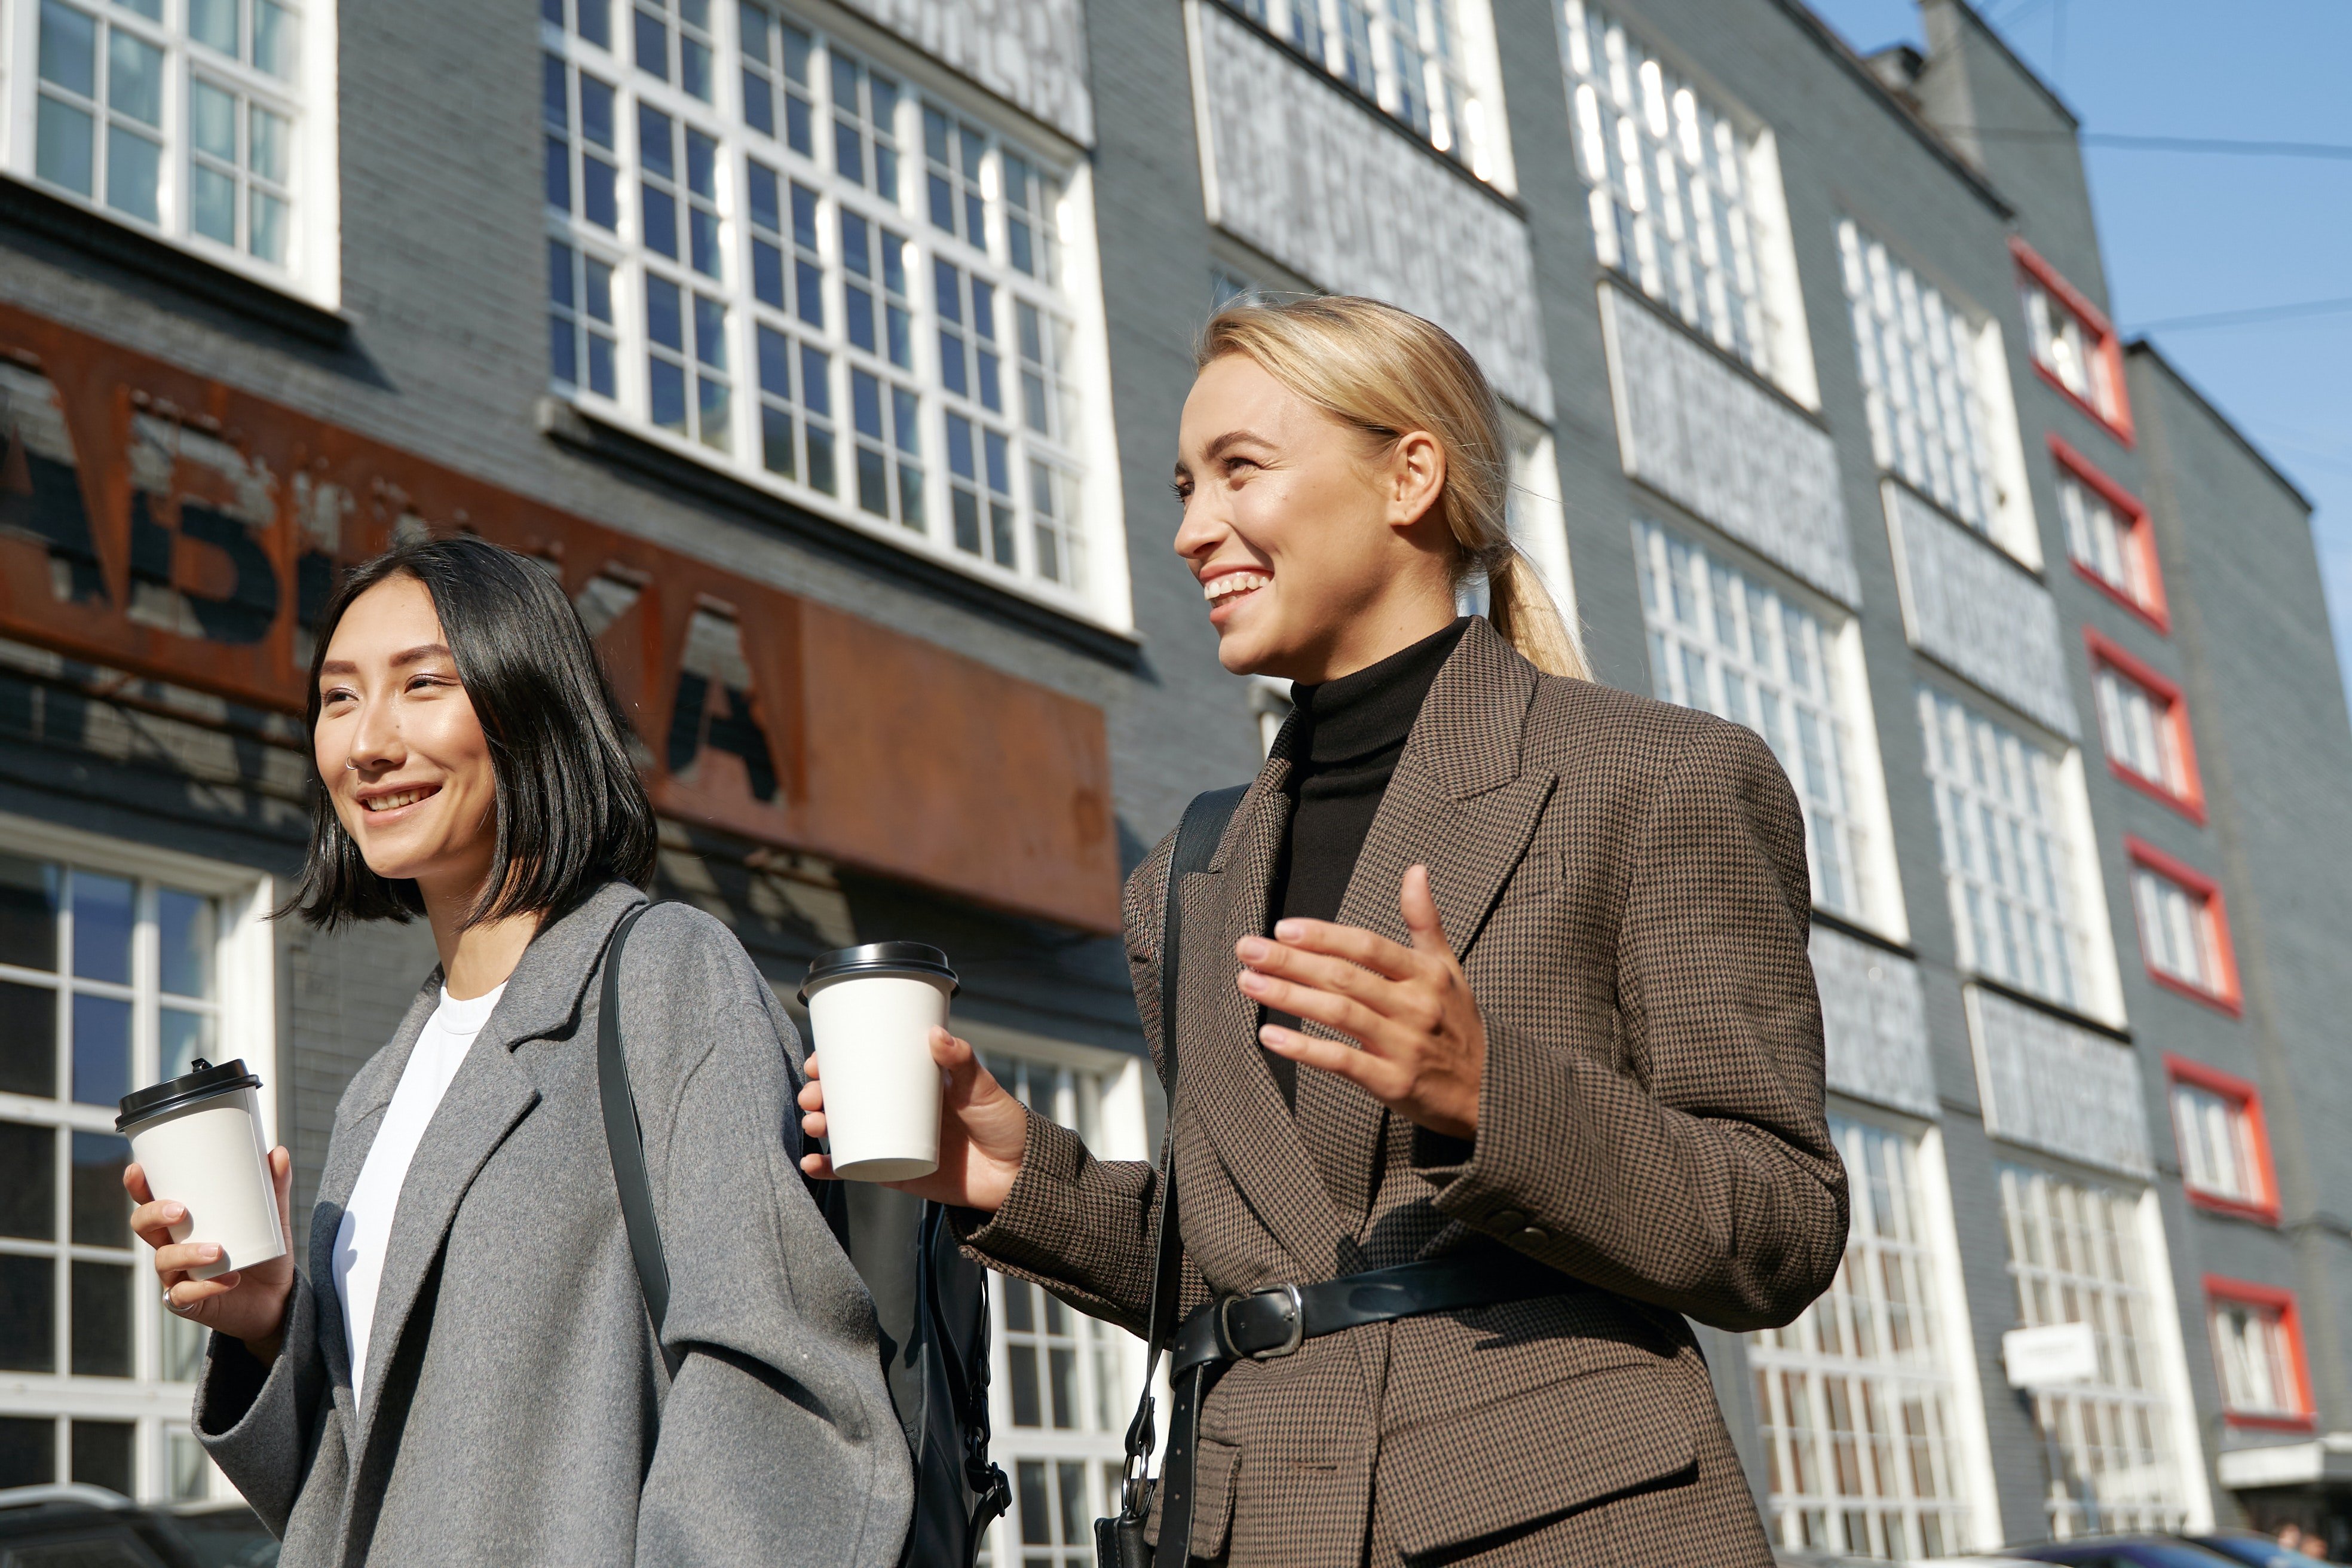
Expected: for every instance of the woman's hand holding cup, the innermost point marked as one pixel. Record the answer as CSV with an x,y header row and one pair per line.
x,y
250,1304
984,1131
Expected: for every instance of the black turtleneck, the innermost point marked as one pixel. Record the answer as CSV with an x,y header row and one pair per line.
x,y
1351,731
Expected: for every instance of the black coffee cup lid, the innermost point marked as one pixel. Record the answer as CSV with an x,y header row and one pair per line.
x,y
915,960
201,1081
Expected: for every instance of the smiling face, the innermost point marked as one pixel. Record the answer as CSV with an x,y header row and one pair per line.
x,y
1317,549
399,747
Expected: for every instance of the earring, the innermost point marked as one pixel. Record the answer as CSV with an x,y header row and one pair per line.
x,y
351,767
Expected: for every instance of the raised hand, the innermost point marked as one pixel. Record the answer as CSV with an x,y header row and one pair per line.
x,y
984,1131
1424,1045
248,1304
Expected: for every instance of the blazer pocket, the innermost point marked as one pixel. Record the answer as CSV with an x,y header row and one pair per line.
x,y
1541,1453
1214,1475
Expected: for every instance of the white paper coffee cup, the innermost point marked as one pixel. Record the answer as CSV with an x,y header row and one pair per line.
x,y
872,1010
198,1139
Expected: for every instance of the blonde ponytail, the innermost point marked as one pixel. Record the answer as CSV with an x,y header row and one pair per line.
x,y
1385,372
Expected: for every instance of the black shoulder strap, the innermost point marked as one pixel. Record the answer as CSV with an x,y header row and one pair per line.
x,y
1196,844
624,1138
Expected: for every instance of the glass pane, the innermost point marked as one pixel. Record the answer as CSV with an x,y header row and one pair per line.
x,y
212,121
101,1320
29,1450
183,1348
180,1037
1021,1360
101,1453
267,240
191,1477
29,913
101,1209
270,138
28,1039
29,1182
273,38
1036,1510
28,1314
69,48
213,23
102,920
134,76
101,1049
133,164
63,149
184,929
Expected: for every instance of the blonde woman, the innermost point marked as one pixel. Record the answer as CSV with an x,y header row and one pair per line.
x,y
1494,1009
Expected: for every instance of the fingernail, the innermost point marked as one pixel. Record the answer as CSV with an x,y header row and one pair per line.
x,y
1255,949
1275,1037
1252,980
1290,930
173,1214
209,1254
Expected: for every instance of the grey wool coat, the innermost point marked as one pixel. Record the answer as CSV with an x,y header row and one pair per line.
x,y
518,1410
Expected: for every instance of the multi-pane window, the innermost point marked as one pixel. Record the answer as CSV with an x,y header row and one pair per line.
x,y
1855,1396
2008,860
180,116
2182,933
1412,58
2221,1146
879,270
1723,640
2257,1356
2070,341
109,980
1060,1388
1918,355
2108,1452
1669,189
2108,539
2143,726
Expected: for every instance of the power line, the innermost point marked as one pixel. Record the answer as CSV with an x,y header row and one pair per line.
x,y
2247,318
2222,144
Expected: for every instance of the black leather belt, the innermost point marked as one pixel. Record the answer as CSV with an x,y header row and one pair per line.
x,y
1261,1325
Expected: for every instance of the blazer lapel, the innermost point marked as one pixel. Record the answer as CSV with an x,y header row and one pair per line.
x,y
491,1093
1461,805
1223,1085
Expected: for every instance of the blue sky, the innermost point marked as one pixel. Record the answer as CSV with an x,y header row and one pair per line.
x,y
2197,233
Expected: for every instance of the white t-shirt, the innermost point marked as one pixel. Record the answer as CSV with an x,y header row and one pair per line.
x,y
375,1196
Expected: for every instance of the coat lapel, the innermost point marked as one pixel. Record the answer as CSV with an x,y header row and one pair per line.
x,y
1222,1085
491,1093
1461,805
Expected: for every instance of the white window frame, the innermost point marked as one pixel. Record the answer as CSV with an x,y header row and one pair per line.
x,y
313,268
2179,930
2141,730
2141,1291
245,962
2103,540
1112,1099
1082,452
1430,65
2220,1154
1843,694
2252,1347
1536,517
2060,811
1641,120
1799,1361
1936,390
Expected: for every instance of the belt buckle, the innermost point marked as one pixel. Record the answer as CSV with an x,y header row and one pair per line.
x,y
1297,1325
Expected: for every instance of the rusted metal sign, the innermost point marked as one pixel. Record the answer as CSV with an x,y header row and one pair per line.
x,y
163,524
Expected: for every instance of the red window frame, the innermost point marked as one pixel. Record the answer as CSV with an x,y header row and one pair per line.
x,y
2095,322
2190,800
2208,893
2247,1293
2228,1086
2155,610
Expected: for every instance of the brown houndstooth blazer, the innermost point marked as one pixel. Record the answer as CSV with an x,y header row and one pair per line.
x,y
1625,884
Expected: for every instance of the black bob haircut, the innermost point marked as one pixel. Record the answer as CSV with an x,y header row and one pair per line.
x,y
571,812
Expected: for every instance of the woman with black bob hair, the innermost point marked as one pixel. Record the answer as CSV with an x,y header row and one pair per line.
x,y
466,1373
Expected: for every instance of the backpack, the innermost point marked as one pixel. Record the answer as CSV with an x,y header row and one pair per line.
x,y
931,1302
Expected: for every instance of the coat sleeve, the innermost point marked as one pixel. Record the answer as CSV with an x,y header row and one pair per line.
x,y
257,1421
777,1443
1704,1178
1087,1229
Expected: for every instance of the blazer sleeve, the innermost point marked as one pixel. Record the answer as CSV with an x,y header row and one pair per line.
x,y
1704,1180
1087,1229
255,1421
777,1441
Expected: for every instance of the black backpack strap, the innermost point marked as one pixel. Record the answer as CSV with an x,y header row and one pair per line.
x,y
1196,845
624,1138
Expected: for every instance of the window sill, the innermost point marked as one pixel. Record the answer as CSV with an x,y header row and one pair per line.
x,y
590,435
2270,1423
2219,1003
1630,287
2089,410
2231,1208
2187,805
2058,1010
2154,615
26,210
